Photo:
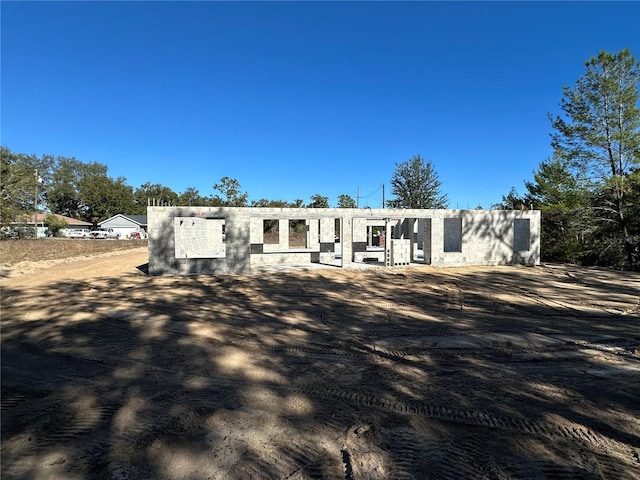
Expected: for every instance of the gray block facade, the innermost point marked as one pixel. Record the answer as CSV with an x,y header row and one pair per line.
x,y
209,240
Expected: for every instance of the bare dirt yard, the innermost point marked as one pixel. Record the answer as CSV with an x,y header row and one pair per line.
x,y
415,373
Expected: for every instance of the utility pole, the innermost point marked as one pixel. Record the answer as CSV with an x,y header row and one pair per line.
x,y
383,195
35,216
358,198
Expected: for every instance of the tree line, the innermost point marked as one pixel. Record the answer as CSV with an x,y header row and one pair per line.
x,y
85,191
588,191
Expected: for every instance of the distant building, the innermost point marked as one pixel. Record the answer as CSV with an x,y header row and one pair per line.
x,y
125,225
40,222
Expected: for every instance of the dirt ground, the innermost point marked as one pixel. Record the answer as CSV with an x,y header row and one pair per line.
x,y
415,373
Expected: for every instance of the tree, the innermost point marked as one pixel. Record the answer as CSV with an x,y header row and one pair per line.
x,y
263,202
230,188
19,183
159,193
102,197
63,194
556,186
85,191
345,201
567,224
511,201
14,187
318,201
634,212
416,185
191,196
599,133
56,224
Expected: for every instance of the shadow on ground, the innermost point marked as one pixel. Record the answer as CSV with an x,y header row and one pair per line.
x,y
421,373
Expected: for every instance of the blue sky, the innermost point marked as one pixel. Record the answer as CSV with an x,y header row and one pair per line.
x,y
300,98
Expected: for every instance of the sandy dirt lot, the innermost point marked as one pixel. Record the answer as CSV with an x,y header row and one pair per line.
x,y
416,373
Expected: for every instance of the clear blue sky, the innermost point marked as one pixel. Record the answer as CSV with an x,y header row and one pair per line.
x,y
298,98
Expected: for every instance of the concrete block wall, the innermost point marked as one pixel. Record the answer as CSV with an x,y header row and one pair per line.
x,y
283,234
400,252
215,229
488,237
296,257
346,242
360,230
257,230
313,234
198,237
163,237
191,237
425,238
327,239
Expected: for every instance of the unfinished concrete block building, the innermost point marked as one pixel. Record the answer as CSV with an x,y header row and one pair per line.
x,y
207,240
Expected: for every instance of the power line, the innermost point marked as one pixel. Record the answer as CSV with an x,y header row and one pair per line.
x,y
372,193
358,196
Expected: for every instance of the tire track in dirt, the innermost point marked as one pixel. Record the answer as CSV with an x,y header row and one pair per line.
x,y
550,430
52,422
82,425
33,424
311,460
11,401
70,425
359,300
498,355
410,333
413,452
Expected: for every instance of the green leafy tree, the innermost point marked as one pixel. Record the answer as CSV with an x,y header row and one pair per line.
x,y
13,187
230,189
155,192
56,224
22,178
512,201
85,191
63,193
416,184
66,186
599,133
633,213
556,186
318,201
345,201
263,202
567,221
103,197
191,196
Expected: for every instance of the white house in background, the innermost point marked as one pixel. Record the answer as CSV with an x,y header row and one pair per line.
x,y
125,225
40,221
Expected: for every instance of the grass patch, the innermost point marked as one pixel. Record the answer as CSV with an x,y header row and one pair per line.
x,y
15,251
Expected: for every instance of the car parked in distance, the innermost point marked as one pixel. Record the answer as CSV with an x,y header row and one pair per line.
x,y
104,233
8,232
76,232
81,233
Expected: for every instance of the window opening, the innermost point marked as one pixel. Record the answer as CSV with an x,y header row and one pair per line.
x,y
521,235
453,235
271,232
